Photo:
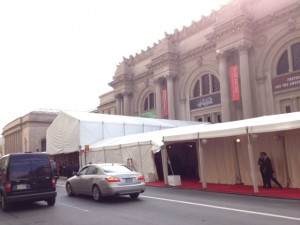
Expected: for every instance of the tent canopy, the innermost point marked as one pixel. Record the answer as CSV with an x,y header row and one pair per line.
x,y
154,138
262,124
71,131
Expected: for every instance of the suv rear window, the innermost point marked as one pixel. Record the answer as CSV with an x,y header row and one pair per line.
x,y
25,167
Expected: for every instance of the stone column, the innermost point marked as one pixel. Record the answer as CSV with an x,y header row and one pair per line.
x,y
225,99
126,101
118,104
245,82
158,98
170,93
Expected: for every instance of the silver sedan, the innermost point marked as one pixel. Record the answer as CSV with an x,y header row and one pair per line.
x,y
102,180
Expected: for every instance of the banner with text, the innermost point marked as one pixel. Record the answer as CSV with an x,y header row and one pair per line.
x,y
234,82
164,102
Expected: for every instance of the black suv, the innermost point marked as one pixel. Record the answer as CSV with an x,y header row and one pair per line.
x,y
26,177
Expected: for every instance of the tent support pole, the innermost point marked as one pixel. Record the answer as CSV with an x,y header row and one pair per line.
x,y
252,163
164,159
201,162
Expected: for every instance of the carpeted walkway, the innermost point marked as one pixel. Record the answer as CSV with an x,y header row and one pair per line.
x,y
291,193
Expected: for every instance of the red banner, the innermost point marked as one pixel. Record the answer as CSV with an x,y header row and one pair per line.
x,y
234,83
164,102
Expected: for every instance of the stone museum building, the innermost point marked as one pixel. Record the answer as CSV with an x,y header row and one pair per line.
x,y
28,133
241,61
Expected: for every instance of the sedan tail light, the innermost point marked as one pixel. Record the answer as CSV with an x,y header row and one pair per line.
x,y
112,179
140,177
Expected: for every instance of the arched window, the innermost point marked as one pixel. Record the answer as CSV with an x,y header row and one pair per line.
x,y
287,60
283,64
296,56
206,84
149,102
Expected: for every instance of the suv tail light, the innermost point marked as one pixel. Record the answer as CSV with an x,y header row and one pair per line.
x,y
8,186
53,183
112,179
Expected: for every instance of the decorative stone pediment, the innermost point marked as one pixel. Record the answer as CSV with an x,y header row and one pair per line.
x,y
121,79
165,59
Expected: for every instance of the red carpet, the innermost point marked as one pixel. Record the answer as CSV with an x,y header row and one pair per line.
x,y
292,193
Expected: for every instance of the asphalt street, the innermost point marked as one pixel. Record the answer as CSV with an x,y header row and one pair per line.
x,y
161,206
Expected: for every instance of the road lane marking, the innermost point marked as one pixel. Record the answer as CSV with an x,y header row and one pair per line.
x,y
224,208
84,210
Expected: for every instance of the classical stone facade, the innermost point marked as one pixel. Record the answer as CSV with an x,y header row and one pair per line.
x,y
27,133
239,62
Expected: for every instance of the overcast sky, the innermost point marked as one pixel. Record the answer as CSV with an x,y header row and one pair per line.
x,y
61,54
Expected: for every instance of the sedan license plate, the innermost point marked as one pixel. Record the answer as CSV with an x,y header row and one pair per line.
x,y
128,180
21,186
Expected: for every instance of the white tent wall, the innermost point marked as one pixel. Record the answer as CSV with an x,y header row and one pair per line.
x,y
71,131
90,132
141,155
291,142
63,135
148,164
220,161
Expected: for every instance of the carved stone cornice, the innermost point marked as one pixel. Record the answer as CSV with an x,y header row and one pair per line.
x,y
165,59
285,14
121,79
197,52
241,23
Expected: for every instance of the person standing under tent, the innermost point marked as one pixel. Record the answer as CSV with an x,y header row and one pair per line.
x,y
268,171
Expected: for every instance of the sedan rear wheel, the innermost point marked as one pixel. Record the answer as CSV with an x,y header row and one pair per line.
x,y
69,189
97,194
134,195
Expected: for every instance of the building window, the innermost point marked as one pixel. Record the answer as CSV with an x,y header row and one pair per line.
x,y
207,84
296,56
285,60
149,102
283,64
43,145
197,89
219,120
288,109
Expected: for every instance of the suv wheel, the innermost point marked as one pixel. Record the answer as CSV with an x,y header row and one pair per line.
x,y
97,194
50,201
4,204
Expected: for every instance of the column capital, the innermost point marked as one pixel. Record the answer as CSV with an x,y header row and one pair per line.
x,y
118,96
127,93
157,81
170,76
222,55
244,48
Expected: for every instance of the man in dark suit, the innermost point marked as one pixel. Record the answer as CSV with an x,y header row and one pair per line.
x,y
267,170
261,161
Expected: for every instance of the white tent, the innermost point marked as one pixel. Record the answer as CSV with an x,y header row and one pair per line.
x,y
223,160
71,131
135,150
